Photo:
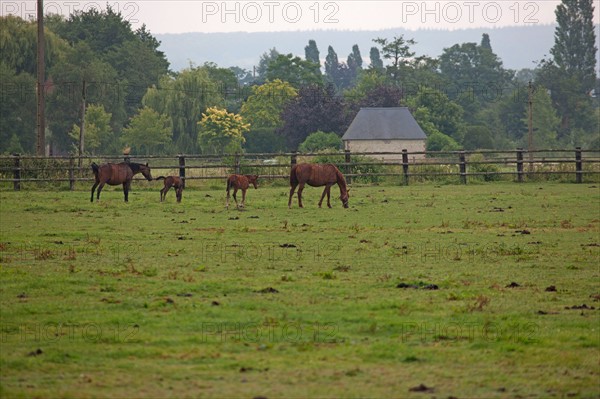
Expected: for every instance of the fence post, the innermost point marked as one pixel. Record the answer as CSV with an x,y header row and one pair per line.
x,y
293,158
520,165
237,163
17,173
578,166
347,169
71,173
405,166
463,167
182,168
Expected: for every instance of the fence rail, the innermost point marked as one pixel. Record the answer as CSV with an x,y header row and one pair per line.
x,y
406,166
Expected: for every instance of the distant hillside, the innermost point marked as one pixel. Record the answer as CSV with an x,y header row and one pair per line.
x,y
518,47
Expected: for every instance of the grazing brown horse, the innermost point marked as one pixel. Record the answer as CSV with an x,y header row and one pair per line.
x,y
317,175
240,182
119,173
172,181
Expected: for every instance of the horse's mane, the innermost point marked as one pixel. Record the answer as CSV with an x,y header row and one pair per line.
x,y
341,180
135,167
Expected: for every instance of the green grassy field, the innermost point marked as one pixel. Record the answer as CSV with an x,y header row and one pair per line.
x,y
487,290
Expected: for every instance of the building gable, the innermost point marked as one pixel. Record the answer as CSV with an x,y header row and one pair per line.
x,y
395,123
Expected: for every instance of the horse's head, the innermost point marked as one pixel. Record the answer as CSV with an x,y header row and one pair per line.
x,y
145,170
253,179
344,198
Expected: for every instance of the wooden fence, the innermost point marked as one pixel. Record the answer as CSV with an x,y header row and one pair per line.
x,y
518,165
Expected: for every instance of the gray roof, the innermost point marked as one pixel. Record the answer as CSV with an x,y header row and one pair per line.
x,y
395,123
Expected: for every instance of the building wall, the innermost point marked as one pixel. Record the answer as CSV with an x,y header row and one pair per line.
x,y
387,146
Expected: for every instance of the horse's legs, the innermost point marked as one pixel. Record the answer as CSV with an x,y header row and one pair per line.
x,y
162,194
243,197
93,188
126,191
178,193
166,188
323,196
300,188
100,187
328,188
234,198
227,199
291,194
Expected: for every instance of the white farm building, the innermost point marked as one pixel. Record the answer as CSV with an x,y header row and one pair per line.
x,y
385,130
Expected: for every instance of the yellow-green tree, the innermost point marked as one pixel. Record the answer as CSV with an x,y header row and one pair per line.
x,y
98,135
148,132
221,131
263,107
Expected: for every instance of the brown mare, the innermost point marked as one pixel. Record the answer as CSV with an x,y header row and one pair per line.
x,y
317,175
119,173
240,182
172,181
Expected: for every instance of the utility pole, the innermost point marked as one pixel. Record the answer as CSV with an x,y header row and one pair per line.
x,y
530,91
41,78
82,127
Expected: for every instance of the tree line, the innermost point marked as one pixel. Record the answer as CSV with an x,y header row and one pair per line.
x,y
464,98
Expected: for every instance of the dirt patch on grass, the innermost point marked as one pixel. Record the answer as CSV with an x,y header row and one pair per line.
x,y
420,285
268,290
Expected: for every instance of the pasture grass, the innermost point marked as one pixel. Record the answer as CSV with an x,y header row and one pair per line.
x,y
150,299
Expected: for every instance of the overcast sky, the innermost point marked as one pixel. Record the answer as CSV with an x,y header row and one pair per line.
x,y
161,16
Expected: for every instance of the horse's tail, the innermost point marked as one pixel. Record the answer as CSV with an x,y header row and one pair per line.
x,y
293,176
160,177
229,183
95,168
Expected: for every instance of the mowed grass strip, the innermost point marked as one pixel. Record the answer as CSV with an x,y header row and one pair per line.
x,y
468,291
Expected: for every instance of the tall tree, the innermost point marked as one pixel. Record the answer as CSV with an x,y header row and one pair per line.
x,y
339,74
331,64
570,74
574,49
376,61
485,42
311,53
398,52
355,59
